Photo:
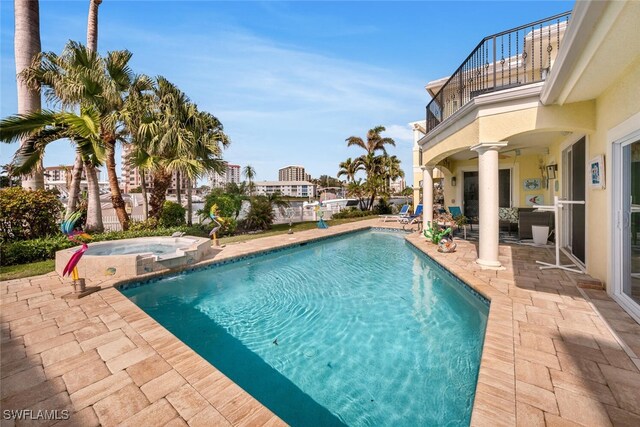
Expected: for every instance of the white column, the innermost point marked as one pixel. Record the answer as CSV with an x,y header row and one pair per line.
x,y
427,196
489,203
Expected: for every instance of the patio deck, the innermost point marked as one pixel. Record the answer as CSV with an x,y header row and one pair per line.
x,y
553,354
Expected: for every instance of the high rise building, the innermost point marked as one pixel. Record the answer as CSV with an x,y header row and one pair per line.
x,y
293,173
286,188
131,178
396,186
230,175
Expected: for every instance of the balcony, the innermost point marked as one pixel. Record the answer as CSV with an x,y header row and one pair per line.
x,y
512,58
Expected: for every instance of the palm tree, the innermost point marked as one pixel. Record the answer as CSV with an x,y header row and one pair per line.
x,y
208,139
391,171
92,45
375,142
355,189
138,110
276,201
27,46
141,160
92,25
371,163
64,82
38,129
180,138
373,167
249,172
349,168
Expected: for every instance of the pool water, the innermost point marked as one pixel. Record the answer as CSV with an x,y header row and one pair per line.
x,y
358,330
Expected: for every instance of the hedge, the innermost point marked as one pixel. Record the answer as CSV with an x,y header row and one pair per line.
x,y
352,213
27,214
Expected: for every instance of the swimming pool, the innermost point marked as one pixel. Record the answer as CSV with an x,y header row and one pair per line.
x,y
361,329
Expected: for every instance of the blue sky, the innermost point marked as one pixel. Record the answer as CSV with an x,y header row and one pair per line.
x,y
290,81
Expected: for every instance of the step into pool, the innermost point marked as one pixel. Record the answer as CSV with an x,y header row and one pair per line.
x,y
361,329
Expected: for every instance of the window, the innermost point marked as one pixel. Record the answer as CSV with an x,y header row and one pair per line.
x,y
504,188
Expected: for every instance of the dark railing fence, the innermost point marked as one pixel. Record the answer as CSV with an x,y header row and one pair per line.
x,y
515,57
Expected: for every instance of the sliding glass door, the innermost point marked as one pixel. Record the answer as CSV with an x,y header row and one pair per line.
x,y
627,225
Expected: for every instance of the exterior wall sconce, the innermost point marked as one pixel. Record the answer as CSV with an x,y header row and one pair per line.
x,y
551,171
454,181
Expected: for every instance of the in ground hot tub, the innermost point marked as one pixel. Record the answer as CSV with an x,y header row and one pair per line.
x,y
134,257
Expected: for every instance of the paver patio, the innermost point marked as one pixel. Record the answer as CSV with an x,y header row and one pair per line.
x,y
554,354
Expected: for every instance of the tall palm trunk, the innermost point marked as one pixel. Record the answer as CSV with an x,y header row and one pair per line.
x,y
92,25
161,181
114,185
92,44
178,189
189,202
74,187
145,201
94,208
27,45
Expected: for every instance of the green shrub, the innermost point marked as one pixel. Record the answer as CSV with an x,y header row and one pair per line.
x,y
28,214
260,216
352,213
383,207
172,215
24,251
227,205
148,224
229,226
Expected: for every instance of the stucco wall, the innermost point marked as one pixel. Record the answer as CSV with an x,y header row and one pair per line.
x,y
617,103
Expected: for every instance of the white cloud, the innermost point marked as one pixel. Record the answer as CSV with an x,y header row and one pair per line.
x,y
400,133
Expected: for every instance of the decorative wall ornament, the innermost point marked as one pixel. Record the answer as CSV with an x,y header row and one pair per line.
x,y
535,200
531,184
596,172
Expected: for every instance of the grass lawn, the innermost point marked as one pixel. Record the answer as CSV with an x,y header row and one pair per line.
x,y
26,270
43,267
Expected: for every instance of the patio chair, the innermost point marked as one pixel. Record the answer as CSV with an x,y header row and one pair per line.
x,y
416,218
410,218
455,211
404,212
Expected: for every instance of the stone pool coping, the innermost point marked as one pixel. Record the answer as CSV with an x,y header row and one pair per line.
x,y
549,354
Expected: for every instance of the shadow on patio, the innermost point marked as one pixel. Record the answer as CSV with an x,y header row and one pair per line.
x,y
563,362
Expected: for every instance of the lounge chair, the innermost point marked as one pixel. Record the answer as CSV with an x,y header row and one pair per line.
x,y
416,218
404,212
410,218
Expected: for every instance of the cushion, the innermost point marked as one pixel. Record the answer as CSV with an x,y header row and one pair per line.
x,y
508,214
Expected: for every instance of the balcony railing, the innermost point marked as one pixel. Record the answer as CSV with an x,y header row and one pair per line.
x,y
512,58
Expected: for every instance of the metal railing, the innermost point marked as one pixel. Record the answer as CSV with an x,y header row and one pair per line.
x,y
512,58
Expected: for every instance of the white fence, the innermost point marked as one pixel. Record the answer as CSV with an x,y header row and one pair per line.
x,y
301,214
298,214
111,222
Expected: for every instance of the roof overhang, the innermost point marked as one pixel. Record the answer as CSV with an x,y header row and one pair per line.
x,y
598,46
518,98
